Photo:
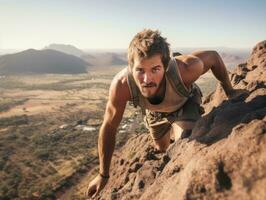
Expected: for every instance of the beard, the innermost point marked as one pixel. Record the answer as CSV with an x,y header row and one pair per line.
x,y
149,90
153,97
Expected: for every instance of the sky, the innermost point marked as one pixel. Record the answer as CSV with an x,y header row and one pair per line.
x,y
111,24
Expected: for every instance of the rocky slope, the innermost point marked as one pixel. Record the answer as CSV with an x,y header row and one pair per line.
x,y
225,157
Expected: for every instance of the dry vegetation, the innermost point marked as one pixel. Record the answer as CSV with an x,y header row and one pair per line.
x,y
49,128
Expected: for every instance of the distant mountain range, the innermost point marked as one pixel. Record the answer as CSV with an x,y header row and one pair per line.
x,y
106,59
61,58
42,61
94,58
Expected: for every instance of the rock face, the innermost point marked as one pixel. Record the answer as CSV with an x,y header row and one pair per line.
x,y
225,157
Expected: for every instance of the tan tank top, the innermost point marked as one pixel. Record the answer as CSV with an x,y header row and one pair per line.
x,y
172,101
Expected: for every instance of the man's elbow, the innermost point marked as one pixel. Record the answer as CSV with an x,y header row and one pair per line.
x,y
214,58
215,53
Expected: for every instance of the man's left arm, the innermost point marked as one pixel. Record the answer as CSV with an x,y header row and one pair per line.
x,y
200,62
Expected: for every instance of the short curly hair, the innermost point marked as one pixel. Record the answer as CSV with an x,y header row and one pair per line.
x,y
146,44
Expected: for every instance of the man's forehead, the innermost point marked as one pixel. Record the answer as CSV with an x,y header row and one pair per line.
x,y
149,62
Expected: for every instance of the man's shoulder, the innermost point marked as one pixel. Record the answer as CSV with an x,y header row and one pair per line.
x,y
187,60
190,68
120,79
119,86
121,75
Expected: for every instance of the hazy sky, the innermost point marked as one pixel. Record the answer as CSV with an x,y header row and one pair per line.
x,y
112,23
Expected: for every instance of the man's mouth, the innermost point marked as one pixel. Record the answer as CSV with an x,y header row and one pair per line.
x,y
150,85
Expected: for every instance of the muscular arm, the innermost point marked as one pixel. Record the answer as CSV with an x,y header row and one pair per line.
x,y
212,60
199,63
118,97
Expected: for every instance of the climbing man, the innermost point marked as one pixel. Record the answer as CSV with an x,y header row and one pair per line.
x,y
164,88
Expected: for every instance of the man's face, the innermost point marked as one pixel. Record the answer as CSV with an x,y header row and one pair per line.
x,y
148,74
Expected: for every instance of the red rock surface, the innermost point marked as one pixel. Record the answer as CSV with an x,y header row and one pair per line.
x,y
225,157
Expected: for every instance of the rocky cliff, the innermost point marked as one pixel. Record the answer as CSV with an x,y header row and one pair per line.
x,y
225,157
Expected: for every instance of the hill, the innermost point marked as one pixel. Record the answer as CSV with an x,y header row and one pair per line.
x,y
41,61
68,49
106,58
94,58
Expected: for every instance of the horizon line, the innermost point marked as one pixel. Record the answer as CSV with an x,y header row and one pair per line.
x,y
124,49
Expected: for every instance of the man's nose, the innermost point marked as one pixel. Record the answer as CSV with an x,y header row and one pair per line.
x,y
147,78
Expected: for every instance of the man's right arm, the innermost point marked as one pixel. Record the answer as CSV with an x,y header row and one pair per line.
x,y
119,94
113,115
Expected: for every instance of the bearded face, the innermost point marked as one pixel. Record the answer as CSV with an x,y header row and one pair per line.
x,y
148,74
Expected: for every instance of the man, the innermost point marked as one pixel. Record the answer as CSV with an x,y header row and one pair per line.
x,y
163,87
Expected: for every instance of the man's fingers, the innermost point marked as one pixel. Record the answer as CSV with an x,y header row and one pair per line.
x,y
95,187
91,191
97,192
98,189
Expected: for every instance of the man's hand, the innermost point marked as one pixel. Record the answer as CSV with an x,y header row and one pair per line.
x,y
95,186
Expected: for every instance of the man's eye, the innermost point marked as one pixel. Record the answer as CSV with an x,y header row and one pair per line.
x,y
155,70
140,70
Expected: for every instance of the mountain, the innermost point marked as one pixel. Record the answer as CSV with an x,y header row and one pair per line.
x,y
106,58
68,49
42,61
224,158
231,57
